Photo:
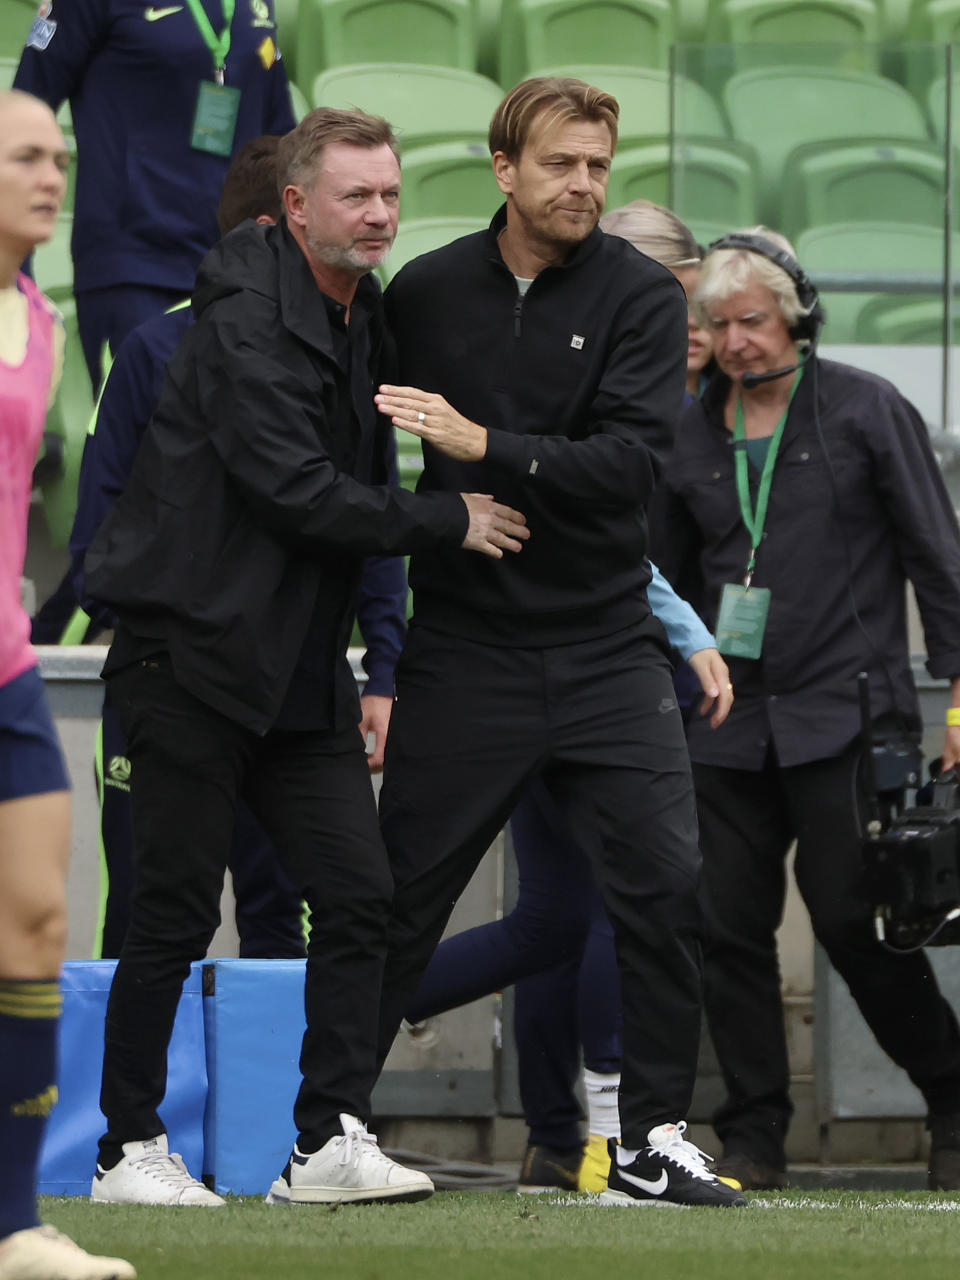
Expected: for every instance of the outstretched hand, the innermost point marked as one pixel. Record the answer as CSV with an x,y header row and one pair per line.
x,y
714,676
430,417
493,528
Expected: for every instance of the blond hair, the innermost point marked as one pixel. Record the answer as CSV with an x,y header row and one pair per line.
x,y
655,231
556,99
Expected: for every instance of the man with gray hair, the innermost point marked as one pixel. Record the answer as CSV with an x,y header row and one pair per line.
x,y
231,561
800,497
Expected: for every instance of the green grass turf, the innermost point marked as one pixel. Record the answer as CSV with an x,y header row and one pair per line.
x,y
486,1236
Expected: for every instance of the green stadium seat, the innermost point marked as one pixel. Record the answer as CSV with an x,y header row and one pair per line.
x,y
16,19
640,173
905,321
644,97
881,250
424,104
8,69
421,235
715,180
449,180
850,181
691,17
779,108
486,17
53,263
696,180
298,101
937,21
543,33
795,24
706,232
69,418
894,18
333,33
287,13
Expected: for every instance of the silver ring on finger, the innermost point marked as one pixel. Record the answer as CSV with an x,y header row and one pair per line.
x,y
421,416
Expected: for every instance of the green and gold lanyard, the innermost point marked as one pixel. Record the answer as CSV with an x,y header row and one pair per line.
x,y
742,619
215,120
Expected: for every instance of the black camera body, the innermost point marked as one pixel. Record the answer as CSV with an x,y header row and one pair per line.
x,y
913,872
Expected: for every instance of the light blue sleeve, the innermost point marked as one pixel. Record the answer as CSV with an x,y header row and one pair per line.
x,y
684,629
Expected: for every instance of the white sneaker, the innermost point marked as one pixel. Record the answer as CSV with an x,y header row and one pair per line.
x,y
350,1167
150,1174
42,1253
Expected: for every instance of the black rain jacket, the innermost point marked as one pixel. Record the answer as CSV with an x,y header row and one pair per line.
x,y
244,507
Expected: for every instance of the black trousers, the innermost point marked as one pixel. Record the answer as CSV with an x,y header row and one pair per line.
x,y
599,722
269,913
747,822
311,792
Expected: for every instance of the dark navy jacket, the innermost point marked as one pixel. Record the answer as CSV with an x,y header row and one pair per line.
x,y
145,205
130,396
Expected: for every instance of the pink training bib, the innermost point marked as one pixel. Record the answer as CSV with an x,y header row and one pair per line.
x,y
24,390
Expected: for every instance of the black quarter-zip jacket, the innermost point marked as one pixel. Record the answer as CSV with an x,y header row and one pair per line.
x,y
579,384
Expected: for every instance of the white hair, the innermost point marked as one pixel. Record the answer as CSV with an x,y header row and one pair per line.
x,y
729,271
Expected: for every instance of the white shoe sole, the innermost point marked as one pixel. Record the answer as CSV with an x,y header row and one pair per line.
x,y
633,1202
280,1193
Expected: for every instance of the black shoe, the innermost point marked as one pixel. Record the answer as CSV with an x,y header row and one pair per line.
x,y
943,1171
667,1171
549,1169
753,1175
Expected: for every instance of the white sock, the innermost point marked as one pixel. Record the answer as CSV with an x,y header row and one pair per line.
x,y
625,1156
603,1111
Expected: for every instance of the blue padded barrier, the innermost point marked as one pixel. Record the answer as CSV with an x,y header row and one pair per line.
x,y
255,1020
69,1153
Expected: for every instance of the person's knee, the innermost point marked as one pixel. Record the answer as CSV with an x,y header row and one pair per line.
x,y
34,938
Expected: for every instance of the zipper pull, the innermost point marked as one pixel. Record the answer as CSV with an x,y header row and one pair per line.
x,y
517,308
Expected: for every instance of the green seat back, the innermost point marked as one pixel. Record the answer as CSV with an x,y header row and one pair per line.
x,y
53,263
882,249
640,173
421,235
16,19
796,24
937,21
543,33
780,108
424,104
69,418
449,180
850,181
715,180
287,13
333,33
905,321
644,97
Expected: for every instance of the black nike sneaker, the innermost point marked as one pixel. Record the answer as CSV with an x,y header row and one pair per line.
x,y
668,1171
548,1169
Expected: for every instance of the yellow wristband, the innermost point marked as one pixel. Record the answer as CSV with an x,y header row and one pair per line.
x,y
953,717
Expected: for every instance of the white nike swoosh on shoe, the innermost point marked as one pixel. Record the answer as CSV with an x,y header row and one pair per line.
x,y
653,1188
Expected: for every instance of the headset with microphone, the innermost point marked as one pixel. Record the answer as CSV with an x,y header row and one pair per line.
x,y
808,327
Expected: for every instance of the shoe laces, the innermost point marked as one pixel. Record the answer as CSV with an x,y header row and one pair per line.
x,y
686,1154
164,1167
358,1145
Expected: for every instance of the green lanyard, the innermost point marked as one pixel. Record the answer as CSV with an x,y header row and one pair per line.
x,y
219,45
755,520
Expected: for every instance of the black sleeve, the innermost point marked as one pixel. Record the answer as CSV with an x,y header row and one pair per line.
x,y
920,510
267,429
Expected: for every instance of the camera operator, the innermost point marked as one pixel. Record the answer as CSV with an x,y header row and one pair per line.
x,y
800,497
